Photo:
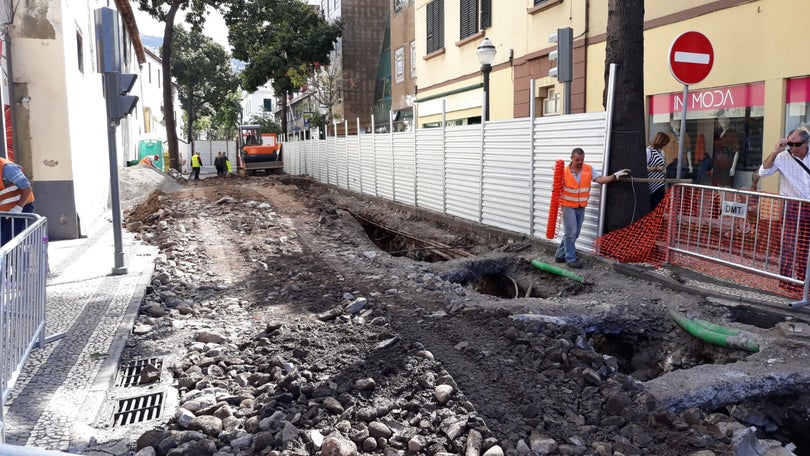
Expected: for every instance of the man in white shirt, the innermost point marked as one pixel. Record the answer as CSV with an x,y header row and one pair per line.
x,y
787,158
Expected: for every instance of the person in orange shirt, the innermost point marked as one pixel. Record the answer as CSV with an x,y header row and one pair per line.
x,y
149,160
16,196
577,180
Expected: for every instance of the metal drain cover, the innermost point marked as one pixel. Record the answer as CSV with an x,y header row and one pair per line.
x,y
138,409
129,374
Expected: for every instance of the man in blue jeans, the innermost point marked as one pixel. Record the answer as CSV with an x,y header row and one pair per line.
x,y
15,196
577,180
791,160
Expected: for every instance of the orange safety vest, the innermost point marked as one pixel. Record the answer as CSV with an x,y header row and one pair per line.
x,y
146,160
10,196
576,194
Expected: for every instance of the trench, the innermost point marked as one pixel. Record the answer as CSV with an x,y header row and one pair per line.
x,y
400,244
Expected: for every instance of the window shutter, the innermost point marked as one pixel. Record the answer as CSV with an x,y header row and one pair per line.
x,y
440,24
469,18
486,14
430,22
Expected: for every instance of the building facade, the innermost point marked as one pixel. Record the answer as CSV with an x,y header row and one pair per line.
x,y
757,90
403,62
58,109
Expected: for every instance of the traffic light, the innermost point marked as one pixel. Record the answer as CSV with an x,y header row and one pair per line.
x,y
563,55
118,85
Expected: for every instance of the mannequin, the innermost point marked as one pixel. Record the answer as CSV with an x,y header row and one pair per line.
x,y
726,153
671,149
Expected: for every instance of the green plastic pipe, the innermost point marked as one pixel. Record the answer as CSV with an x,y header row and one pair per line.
x,y
555,270
737,342
716,328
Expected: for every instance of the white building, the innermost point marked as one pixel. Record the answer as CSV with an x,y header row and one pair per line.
x,y
58,110
258,102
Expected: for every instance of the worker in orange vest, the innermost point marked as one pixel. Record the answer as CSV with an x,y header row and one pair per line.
x,y
577,180
16,196
150,160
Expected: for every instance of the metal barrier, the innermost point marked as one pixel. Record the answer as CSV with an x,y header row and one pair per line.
x,y
760,233
23,273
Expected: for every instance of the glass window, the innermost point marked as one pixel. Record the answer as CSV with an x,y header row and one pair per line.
x,y
722,142
798,101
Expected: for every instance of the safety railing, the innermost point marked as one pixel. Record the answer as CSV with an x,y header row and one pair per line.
x,y
752,233
23,274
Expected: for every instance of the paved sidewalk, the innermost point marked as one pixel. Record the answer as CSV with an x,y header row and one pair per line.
x,y
63,385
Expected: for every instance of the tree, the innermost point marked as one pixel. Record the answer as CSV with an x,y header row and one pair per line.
x,y
195,15
265,119
625,46
202,69
272,36
325,83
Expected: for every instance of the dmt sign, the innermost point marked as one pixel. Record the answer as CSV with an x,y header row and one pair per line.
x,y
739,96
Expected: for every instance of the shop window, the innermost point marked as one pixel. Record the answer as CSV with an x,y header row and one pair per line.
x,y
798,104
723,133
471,12
435,26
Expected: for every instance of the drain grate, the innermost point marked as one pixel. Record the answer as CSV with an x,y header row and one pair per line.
x,y
129,374
138,409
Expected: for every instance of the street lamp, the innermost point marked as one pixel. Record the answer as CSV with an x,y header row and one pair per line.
x,y
486,55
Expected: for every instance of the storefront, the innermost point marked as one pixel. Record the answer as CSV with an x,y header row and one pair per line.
x,y
797,113
723,137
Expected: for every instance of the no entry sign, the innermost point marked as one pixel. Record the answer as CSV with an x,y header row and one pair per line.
x,y
691,57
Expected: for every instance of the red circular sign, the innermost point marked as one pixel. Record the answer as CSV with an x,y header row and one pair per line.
x,y
691,57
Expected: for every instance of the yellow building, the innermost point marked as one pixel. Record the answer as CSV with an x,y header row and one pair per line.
x,y
758,88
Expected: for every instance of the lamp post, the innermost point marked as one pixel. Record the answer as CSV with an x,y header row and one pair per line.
x,y
486,55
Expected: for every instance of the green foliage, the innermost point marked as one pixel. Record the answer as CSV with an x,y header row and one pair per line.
x,y
272,36
203,73
267,121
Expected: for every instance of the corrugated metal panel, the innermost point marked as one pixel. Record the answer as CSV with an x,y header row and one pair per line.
x,y
405,166
429,169
341,166
554,138
507,175
369,178
463,171
354,163
385,165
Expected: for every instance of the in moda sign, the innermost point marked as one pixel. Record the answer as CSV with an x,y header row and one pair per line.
x,y
738,96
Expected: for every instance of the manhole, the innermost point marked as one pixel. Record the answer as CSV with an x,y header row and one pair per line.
x,y
129,374
500,285
138,409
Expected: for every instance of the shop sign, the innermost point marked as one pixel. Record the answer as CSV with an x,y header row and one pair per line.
x,y
740,96
798,90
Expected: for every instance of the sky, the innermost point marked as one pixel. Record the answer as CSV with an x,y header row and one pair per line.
x,y
214,25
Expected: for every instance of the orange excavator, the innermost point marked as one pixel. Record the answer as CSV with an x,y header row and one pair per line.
x,y
257,151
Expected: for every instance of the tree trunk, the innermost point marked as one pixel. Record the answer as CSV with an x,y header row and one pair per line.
x,y
190,117
168,101
626,202
284,106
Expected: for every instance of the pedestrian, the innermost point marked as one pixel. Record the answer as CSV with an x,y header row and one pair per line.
x,y
656,166
227,164
577,180
16,196
790,158
196,164
219,164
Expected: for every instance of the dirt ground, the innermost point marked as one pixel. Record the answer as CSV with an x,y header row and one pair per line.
x,y
457,346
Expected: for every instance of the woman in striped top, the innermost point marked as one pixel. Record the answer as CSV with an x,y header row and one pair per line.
x,y
656,168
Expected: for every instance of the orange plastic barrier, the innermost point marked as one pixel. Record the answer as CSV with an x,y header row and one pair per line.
x,y
556,191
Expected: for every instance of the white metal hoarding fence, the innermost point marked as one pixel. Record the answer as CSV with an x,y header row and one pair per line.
x,y
23,272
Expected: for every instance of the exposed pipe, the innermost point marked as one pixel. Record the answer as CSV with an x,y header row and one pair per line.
x,y
737,342
555,270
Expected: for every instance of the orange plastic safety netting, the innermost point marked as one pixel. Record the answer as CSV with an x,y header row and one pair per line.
x,y
743,238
